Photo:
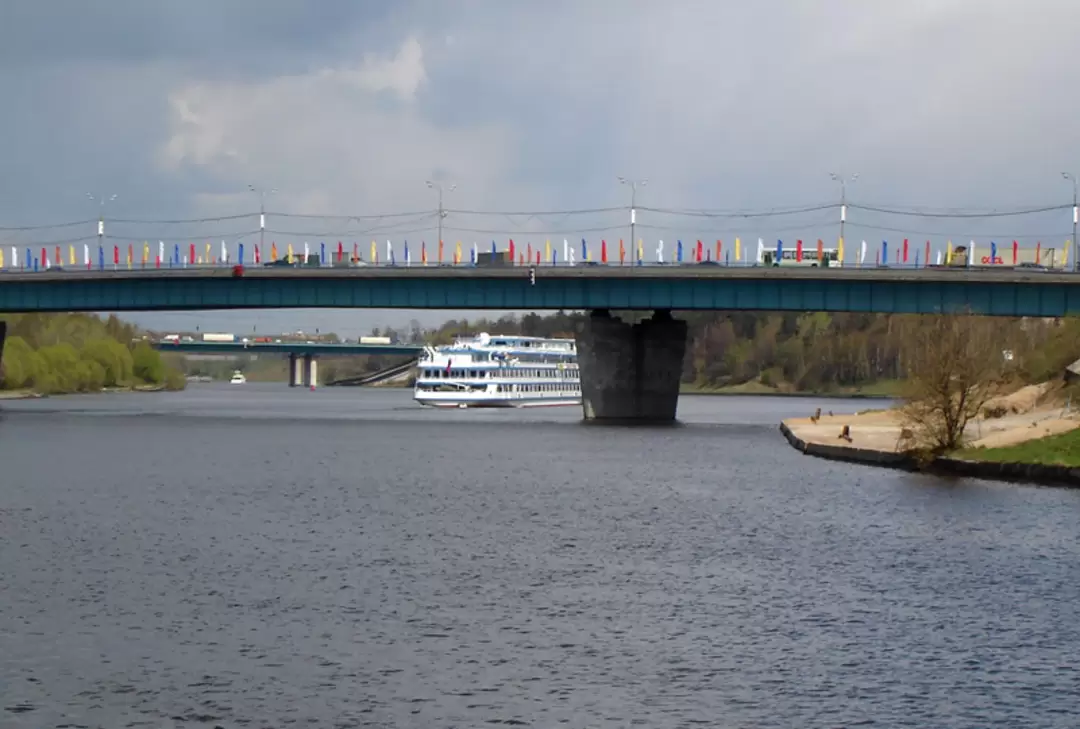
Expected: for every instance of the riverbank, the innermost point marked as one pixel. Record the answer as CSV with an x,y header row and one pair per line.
x,y
24,394
1037,441
871,391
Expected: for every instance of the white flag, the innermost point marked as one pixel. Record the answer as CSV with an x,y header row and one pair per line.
x,y
660,252
86,254
760,250
939,258
305,252
14,257
862,254
224,253
389,252
570,256
161,250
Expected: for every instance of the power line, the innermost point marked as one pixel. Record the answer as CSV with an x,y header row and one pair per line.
x,y
46,227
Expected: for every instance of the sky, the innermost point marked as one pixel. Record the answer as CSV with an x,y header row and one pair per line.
x,y
533,111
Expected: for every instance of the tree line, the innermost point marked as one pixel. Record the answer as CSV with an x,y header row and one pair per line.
x,y
66,353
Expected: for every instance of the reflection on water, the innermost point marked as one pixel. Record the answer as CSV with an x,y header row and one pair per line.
x,y
259,556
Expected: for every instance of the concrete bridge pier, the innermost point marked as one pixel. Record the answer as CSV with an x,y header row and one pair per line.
x,y
311,371
630,373
296,374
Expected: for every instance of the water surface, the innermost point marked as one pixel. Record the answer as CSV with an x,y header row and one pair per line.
x,y
264,557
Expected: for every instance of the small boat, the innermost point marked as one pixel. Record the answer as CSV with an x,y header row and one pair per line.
x,y
237,378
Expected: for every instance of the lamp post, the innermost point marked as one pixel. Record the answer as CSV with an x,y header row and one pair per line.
x,y
101,200
633,202
1072,178
843,197
262,209
442,213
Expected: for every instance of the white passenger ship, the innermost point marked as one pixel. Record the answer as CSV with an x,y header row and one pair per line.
x,y
494,371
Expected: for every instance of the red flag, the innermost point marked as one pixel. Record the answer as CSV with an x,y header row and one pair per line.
x,y
1038,252
528,254
622,252
798,250
44,257
257,259
191,256
157,261
59,259
603,251
926,260
538,257
356,251
905,250
1016,253
699,251
440,250
820,251
340,252
511,251
116,255
719,245
423,253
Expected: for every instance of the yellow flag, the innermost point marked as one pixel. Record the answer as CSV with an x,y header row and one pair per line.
x,y
208,253
641,250
547,250
738,249
1065,254
457,253
288,256
145,252
840,251
374,252
948,254
1,257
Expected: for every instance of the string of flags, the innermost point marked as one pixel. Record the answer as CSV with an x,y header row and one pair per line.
x,y
905,253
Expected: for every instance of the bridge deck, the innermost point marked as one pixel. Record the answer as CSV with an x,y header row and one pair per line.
x,y
1004,292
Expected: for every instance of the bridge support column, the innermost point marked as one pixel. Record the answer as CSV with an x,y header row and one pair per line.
x,y
296,374
630,372
311,371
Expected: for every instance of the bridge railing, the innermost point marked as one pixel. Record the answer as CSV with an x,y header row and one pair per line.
x,y
1034,258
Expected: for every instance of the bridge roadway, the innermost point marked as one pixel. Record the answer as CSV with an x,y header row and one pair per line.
x,y
322,349
1001,292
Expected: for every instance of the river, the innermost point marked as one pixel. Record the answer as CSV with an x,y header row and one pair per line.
x,y
256,556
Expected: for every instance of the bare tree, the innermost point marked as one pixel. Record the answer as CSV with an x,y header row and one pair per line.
x,y
954,365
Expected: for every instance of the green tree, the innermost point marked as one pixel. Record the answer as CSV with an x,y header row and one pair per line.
x,y
147,364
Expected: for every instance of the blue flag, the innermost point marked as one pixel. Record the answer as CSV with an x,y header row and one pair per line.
x,y
993,252
584,251
407,259
779,251
101,258
884,252
176,254
322,252
240,253
678,252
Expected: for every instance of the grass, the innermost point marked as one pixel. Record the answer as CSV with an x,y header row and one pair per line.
x,y
1054,450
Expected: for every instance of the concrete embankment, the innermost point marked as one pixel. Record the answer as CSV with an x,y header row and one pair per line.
x,y
875,437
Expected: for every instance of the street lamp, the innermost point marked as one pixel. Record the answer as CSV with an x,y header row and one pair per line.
x,y
633,202
101,200
1072,178
843,197
442,213
262,209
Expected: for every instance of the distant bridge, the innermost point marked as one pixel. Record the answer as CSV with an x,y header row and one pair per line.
x,y
303,356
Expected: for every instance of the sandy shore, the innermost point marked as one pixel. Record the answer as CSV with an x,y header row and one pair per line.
x,y
1028,418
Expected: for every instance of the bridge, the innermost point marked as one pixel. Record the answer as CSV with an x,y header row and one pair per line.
x,y
889,290
628,372
303,356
